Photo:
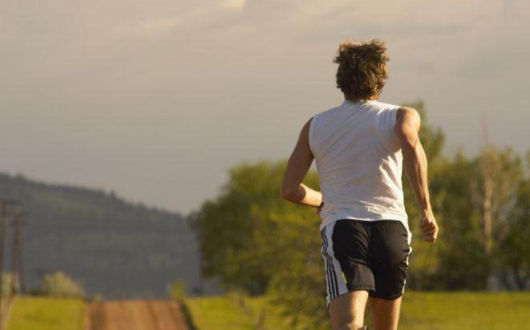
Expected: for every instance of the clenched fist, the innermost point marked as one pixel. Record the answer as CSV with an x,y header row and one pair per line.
x,y
429,227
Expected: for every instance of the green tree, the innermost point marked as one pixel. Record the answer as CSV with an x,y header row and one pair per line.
x,y
256,241
494,187
462,263
513,252
231,232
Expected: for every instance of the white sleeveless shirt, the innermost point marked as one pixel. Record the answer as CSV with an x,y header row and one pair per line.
x,y
359,162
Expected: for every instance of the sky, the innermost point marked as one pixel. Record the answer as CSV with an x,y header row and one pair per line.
x,y
157,99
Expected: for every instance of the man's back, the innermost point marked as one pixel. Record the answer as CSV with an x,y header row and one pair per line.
x,y
359,162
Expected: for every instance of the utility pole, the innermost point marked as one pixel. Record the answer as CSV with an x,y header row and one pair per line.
x,y
16,254
3,222
18,242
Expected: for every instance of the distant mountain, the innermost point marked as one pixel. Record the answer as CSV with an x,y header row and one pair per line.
x,y
116,248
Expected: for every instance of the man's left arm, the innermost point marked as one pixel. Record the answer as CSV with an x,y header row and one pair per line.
x,y
292,188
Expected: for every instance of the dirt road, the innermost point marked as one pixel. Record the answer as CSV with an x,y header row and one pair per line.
x,y
137,315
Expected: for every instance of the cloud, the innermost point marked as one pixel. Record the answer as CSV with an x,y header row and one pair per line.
x,y
161,24
135,66
236,4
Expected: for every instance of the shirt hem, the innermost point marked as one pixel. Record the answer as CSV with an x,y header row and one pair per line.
x,y
385,218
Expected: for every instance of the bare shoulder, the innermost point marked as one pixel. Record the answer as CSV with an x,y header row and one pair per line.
x,y
407,123
304,133
408,114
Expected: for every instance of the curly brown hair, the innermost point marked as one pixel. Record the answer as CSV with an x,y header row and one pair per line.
x,y
362,69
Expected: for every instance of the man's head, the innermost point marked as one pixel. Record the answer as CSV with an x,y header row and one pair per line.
x,y
362,69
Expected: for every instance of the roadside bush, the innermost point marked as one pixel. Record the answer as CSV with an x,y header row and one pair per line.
x,y
177,290
59,284
7,282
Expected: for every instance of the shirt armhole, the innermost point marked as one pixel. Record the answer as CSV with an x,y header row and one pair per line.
x,y
394,121
310,138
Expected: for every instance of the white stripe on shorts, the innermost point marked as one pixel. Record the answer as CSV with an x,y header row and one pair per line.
x,y
335,283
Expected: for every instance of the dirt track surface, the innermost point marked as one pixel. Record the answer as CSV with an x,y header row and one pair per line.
x,y
137,315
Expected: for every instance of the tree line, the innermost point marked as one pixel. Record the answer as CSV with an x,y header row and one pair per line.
x,y
253,240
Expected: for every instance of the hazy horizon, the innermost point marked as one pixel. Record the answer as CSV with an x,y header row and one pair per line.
x,y
155,100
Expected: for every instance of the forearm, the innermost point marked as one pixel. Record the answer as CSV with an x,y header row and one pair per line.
x,y
415,164
305,196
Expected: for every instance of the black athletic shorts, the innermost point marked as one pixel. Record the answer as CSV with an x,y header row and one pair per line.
x,y
366,255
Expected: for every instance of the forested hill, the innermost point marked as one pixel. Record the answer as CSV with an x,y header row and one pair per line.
x,y
116,248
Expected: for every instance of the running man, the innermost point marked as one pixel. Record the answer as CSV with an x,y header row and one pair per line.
x,y
360,148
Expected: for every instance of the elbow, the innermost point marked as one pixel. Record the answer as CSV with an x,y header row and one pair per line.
x,y
286,193
408,149
410,146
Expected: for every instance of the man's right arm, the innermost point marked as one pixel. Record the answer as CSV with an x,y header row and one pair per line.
x,y
415,164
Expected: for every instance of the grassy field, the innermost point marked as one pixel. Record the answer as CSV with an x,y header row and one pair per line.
x,y
433,311
459,311
229,312
41,313
213,313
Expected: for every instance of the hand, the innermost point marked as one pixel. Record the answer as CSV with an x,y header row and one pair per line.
x,y
319,209
429,227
